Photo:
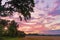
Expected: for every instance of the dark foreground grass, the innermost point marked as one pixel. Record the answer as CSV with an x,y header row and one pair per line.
x,y
34,38
10,38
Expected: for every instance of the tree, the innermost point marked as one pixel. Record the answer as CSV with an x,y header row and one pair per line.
x,y
13,32
21,34
1,30
21,6
12,29
3,24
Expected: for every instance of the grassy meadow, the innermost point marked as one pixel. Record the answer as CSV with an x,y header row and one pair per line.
x,y
35,38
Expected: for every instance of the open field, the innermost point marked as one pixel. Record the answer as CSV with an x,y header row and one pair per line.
x,y
36,38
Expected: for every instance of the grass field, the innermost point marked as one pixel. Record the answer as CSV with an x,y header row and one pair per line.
x,y
35,38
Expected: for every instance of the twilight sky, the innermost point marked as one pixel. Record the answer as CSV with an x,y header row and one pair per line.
x,y
46,17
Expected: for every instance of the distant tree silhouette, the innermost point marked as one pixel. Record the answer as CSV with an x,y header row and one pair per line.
x,y
21,34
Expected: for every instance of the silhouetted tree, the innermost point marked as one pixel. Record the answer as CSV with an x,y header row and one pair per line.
x,y
12,28
13,32
1,32
3,24
21,6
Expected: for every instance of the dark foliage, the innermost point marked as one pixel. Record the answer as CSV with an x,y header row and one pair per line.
x,y
4,22
1,30
21,6
13,32
12,29
21,34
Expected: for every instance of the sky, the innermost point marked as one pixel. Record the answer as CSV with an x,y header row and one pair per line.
x,y
46,17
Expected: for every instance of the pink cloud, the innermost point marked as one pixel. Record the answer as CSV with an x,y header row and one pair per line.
x,y
55,26
33,28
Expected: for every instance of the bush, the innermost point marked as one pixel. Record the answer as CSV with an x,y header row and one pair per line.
x,y
21,34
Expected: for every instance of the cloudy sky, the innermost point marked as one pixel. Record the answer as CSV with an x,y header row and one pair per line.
x,y
46,16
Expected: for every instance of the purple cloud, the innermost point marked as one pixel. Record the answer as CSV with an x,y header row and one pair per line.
x,y
52,32
55,12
